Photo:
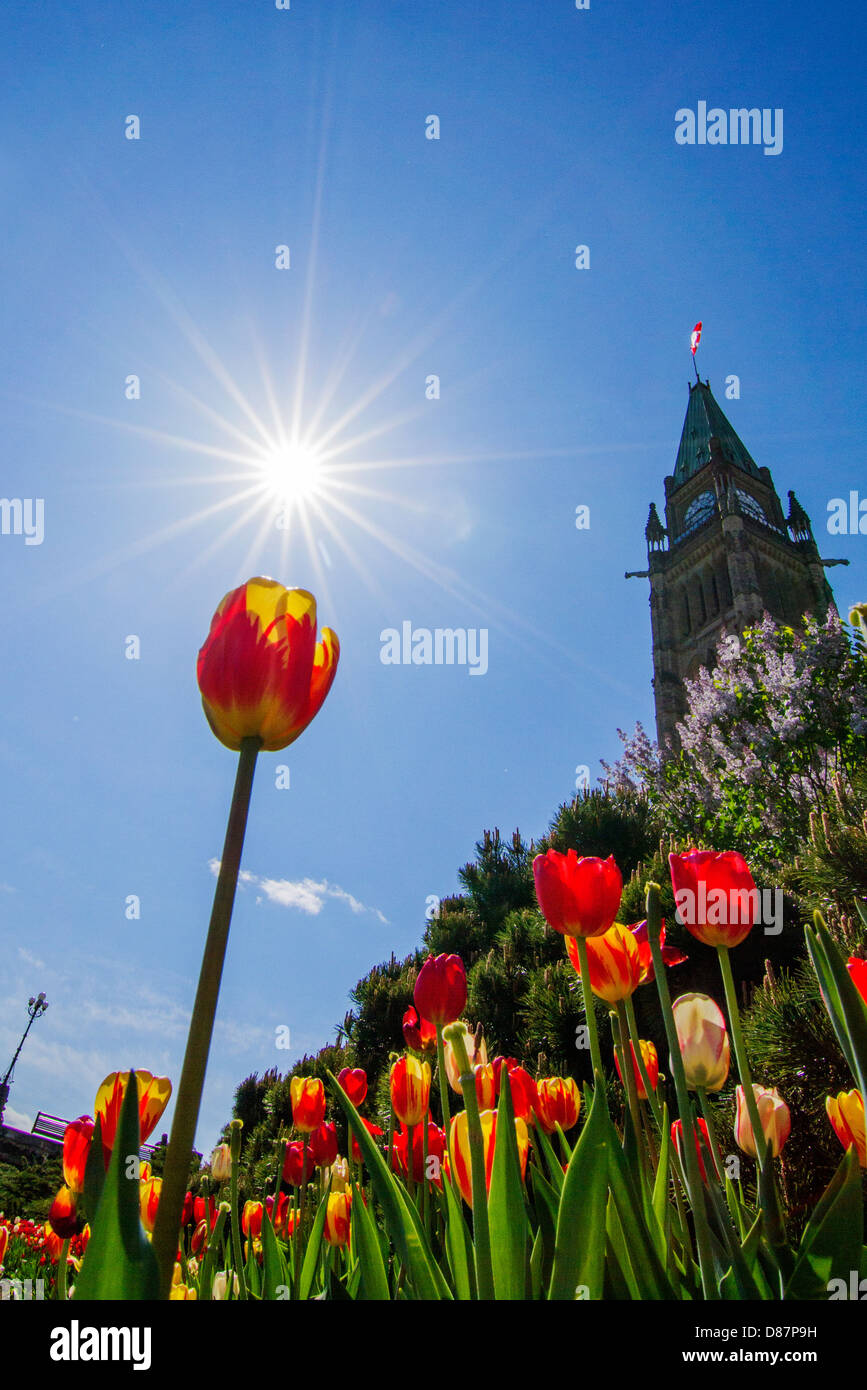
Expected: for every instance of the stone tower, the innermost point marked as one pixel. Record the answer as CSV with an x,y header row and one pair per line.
x,y
725,555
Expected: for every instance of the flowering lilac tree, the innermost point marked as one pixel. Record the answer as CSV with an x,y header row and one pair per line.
x,y
766,732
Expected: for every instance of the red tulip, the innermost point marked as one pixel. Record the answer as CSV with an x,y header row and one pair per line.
x,y
4,1241
293,1164
418,1033
577,897
677,1140
187,1212
670,954
63,1215
354,1082
525,1097
261,671
76,1150
858,971
371,1129
199,1241
436,1141
323,1144
440,992
715,895
203,1210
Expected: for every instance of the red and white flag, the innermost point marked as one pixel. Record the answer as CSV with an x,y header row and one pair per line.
x,y
695,338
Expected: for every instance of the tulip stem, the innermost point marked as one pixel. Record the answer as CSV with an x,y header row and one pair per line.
x,y
234,1219
690,1153
590,1011
62,1270
444,1088
741,1054
708,1119
189,1094
629,1082
481,1229
410,1175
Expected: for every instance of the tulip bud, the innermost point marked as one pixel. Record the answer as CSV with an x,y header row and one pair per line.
x,y
221,1163
774,1117
235,1139
440,992
704,1043
220,1285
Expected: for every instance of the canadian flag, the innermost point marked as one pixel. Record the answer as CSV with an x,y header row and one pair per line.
x,y
695,337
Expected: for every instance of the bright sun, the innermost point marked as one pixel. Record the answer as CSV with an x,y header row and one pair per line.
x,y
293,473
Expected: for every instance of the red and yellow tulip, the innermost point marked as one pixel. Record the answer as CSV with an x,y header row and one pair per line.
x,y
307,1095
846,1113
261,671
460,1147
559,1103
614,960
410,1089
651,1066
337,1215
153,1097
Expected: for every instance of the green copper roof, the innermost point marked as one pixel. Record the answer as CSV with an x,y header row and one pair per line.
x,y
704,419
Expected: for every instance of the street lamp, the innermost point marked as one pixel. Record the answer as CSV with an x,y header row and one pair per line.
x,y
36,1006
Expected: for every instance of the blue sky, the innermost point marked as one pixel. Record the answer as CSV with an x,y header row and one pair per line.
x,y
409,257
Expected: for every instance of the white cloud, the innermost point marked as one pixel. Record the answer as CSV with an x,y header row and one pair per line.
x,y
306,894
30,959
16,1119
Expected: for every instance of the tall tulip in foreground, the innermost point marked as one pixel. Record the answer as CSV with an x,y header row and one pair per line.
x,y
579,898
263,677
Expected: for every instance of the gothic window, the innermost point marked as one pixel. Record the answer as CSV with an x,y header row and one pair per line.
x,y
687,625
700,509
701,611
714,595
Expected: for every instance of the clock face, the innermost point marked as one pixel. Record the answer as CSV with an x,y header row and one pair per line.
x,y
750,506
698,511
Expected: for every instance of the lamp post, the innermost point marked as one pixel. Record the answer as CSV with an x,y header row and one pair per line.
x,y
36,1007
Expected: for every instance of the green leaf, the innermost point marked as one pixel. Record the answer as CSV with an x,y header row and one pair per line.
x,y
310,1262
833,1238
507,1213
94,1173
649,1271
555,1168
845,1006
579,1256
373,1285
119,1263
274,1273
459,1244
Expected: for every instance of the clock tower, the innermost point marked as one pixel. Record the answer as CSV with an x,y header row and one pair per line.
x,y
725,555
